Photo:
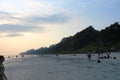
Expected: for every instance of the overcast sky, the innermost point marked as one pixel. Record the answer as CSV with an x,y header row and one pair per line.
x,y
31,24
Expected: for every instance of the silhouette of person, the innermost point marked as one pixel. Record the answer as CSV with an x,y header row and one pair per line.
x,y
2,74
89,56
22,56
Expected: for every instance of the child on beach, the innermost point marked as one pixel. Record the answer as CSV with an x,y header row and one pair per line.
x,y
2,74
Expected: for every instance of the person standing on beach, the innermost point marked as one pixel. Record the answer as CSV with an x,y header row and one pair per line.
x,y
2,74
89,55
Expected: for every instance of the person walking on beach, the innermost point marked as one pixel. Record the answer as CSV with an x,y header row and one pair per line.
x,y
89,55
2,74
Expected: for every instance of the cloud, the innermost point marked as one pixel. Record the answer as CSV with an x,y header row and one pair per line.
x,y
14,23
7,15
56,18
14,35
15,18
10,34
8,30
29,6
10,18
19,28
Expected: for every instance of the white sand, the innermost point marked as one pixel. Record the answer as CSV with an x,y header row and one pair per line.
x,y
62,67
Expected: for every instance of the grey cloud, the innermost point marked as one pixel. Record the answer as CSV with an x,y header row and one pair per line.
x,y
55,18
14,35
19,28
4,13
49,19
8,16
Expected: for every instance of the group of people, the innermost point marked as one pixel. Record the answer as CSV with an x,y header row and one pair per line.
x,y
101,54
16,56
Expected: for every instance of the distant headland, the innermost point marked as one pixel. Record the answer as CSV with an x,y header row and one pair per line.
x,y
89,39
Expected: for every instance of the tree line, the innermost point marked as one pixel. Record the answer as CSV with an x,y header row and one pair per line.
x,y
86,40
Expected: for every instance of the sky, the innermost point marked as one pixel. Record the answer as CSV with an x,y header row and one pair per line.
x,y
31,24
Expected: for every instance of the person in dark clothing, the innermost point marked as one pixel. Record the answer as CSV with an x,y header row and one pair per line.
x,y
89,56
2,74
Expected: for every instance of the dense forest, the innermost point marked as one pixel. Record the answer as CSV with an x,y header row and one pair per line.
x,y
86,40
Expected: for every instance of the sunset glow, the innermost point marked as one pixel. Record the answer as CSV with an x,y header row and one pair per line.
x,y
31,24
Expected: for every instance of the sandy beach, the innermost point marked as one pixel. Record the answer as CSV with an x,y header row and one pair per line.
x,y
62,67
